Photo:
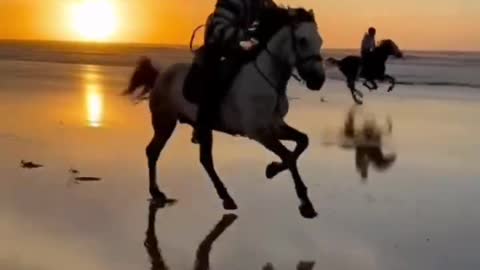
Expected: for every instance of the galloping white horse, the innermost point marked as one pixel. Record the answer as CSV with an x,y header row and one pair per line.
x,y
254,107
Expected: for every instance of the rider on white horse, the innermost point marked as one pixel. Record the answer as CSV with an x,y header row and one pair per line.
x,y
227,35
254,106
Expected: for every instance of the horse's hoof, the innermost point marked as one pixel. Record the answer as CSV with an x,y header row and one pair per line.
x,y
307,211
229,204
158,196
159,204
390,89
273,169
359,102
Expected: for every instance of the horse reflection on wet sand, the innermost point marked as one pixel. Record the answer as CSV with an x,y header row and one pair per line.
x,y
366,155
368,141
202,261
202,258
300,266
367,137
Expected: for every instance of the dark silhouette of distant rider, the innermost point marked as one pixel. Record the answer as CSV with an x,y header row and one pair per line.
x,y
367,52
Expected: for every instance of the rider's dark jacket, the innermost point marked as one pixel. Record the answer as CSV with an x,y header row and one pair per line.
x,y
229,23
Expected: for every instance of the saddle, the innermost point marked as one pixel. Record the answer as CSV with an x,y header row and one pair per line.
x,y
227,70
367,70
372,68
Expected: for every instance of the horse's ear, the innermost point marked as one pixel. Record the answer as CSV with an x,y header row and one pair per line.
x,y
312,13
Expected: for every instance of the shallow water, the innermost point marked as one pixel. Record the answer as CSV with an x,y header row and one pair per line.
x,y
420,214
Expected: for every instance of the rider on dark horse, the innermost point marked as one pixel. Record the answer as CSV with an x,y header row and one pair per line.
x,y
229,38
367,52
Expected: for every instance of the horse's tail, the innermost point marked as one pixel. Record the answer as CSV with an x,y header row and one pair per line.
x,y
332,61
145,74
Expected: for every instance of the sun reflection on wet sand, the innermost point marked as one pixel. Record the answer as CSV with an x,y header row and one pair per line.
x,y
94,100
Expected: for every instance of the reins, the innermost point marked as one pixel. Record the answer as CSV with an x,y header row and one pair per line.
x,y
194,33
272,55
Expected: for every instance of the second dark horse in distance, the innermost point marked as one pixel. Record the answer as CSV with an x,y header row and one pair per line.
x,y
351,67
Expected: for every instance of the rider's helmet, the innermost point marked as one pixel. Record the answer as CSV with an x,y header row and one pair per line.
x,y
372,31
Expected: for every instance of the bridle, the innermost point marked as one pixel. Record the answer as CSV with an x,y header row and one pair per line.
x,y
299,61
278,59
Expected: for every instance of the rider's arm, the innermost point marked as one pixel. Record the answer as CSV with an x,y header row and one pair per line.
x,y
224,29
373,44
365,44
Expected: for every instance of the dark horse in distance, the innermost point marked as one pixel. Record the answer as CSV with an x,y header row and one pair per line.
x,y
353,68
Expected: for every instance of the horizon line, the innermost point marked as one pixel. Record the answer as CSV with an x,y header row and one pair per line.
x,y
186,46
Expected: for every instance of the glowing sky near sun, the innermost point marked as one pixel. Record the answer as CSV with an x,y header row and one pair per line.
x,y
426,24
94,20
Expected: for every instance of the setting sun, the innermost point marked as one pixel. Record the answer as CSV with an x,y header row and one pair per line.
x,y
94,20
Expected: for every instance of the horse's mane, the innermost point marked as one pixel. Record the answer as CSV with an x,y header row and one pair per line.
x,y
387,43
275,18
390,47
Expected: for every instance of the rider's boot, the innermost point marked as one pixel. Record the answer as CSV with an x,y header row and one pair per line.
x,y
206,113
206,106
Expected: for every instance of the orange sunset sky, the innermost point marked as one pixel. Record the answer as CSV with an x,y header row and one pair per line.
x,y
414,24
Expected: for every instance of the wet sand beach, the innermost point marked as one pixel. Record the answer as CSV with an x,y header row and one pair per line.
x,y
420,214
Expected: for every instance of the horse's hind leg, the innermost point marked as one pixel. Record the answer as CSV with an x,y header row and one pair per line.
x,y
288,133
354,91
163,130
206,143
274,145
372,87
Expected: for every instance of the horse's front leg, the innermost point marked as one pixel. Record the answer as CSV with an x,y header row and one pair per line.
x,y
374,86
288,133
365,83
273,144
206,143
392,82
354,91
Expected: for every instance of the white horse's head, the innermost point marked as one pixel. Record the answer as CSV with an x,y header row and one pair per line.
x,y
293,34
306,46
